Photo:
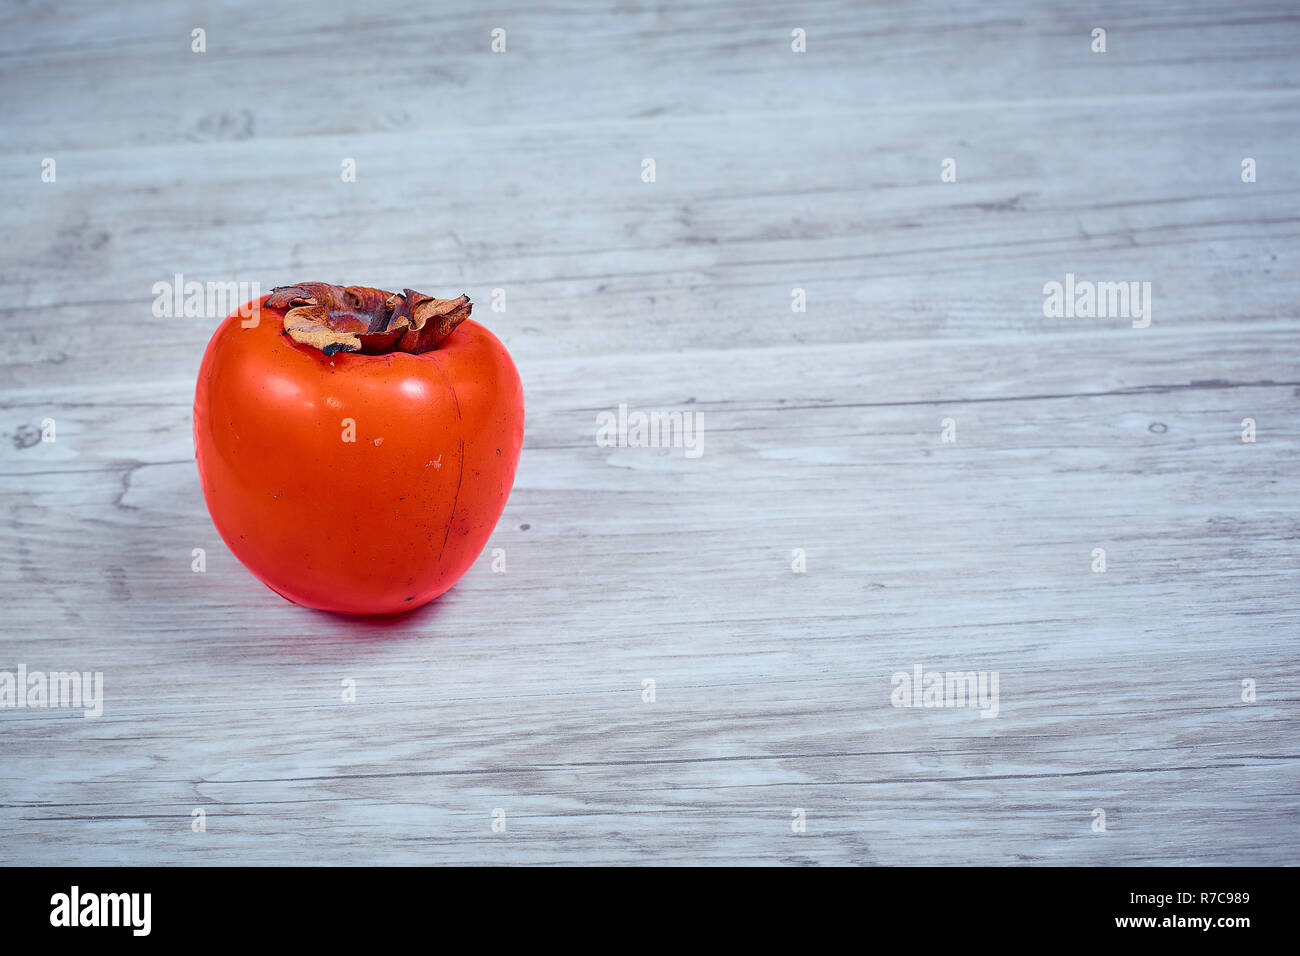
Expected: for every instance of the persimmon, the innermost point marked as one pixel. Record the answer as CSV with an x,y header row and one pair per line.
x,y
356,447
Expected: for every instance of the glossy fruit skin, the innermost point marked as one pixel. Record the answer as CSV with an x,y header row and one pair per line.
x,y
378,525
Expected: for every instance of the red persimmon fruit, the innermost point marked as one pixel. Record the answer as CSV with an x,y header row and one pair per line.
x,y
355,446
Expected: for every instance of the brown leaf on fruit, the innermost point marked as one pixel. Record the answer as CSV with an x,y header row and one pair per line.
x,y
335,318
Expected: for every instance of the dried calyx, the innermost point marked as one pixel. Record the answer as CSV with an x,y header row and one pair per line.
x,y
334,318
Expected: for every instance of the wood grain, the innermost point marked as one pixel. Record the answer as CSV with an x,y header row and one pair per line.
x,y
523,690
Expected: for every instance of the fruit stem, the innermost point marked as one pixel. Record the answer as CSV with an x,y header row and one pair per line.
x,y
334,318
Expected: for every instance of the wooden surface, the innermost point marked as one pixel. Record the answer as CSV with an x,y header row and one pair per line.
x,y
822,431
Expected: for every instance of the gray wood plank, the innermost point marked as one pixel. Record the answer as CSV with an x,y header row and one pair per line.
x,y
822,431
